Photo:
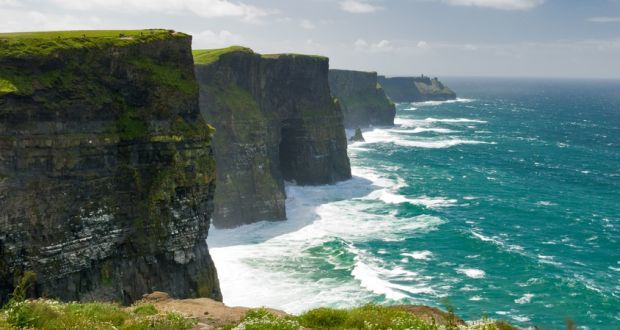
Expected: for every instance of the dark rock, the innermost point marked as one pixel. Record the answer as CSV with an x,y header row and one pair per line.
x,y
358,137
416,89
362,99
275,120
107,176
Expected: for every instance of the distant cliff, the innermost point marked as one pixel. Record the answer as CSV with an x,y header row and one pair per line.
x,y
106,170
275,121
362,99
416,89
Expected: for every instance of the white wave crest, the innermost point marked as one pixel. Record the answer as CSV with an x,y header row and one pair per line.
x,y
525,299
419,255
429,202
471,272
435,103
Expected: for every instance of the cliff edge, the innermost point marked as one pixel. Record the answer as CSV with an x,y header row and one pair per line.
x,y
106,171
416,89
275,121
362,99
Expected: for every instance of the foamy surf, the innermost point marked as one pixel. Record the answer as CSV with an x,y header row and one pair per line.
x,y
254,261
436,103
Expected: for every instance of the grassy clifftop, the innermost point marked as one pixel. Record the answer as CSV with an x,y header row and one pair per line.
x,y
208,56
26,44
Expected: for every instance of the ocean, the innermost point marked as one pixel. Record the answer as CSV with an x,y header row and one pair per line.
x,y
504,204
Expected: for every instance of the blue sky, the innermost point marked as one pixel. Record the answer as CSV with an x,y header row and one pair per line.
x,y
529,38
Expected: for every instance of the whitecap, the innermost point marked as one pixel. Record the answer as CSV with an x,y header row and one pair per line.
x,y
429,202
525,299
545,203
520,318
435,103
419,255
475,298
417,130
472,272
420,143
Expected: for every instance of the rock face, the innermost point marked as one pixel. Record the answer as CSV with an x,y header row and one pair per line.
x,y
362,99
107,175
357,137
416,89
275,120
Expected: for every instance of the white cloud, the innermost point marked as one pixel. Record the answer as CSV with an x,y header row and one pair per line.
x,y
498,4
30,20
212,39
202,8
360,44
604,19
423,45
380,46
358,7
307,24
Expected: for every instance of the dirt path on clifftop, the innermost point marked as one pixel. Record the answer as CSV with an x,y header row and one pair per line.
x,y
209,313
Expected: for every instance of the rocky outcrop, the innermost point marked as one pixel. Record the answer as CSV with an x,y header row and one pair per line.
x,y
106,169
362,99
275,121
357,137
416,89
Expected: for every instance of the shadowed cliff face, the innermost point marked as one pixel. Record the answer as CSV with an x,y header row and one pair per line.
x,y
415,89
275,121
106,173
362,99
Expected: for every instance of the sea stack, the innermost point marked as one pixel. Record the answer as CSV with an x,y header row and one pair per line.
x,y
276,121
107,175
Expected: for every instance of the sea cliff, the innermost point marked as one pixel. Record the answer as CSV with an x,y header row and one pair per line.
x,y
107,175
416,89
276,120
362,98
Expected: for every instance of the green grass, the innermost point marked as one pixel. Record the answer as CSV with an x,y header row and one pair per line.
x,y
25,44
50,314
208,56
365,317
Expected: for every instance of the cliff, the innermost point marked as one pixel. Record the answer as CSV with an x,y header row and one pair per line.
x,y
106,170
275,121
362,99
416,89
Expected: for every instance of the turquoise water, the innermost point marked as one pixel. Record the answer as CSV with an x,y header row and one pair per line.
x,y
506,203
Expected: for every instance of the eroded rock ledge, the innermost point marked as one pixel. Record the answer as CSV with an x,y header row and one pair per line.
x,y
275,121
362,99
106,169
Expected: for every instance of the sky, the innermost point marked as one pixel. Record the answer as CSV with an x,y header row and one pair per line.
x,y
498,38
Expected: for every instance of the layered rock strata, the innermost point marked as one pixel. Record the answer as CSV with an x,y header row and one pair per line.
x,y
275,121
107,175
362,99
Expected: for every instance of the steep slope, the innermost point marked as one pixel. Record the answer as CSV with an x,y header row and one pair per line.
x,y
275,121
415,89
106,169
362,99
